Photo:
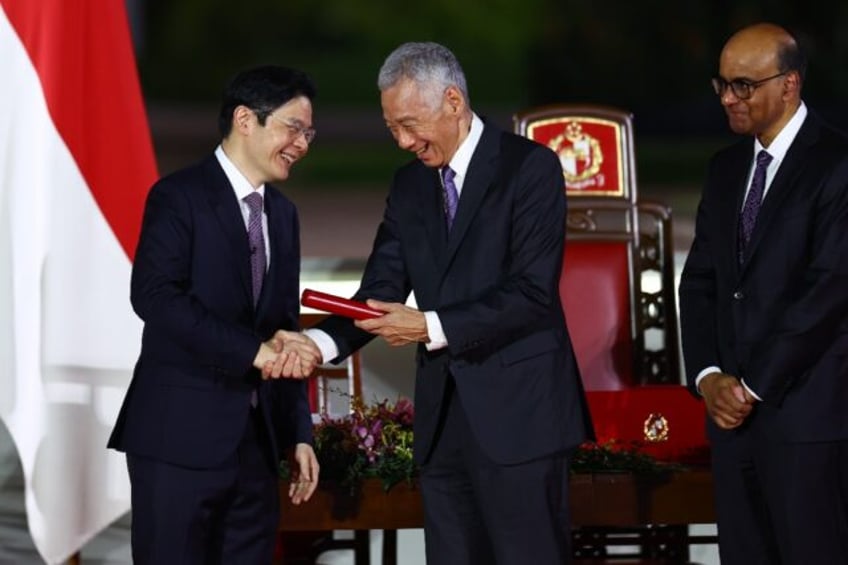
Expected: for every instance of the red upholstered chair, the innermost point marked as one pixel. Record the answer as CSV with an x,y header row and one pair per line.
x,y
618,296
618,284
596,297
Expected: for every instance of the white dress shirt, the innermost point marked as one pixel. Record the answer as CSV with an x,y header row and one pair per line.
x,y
241,188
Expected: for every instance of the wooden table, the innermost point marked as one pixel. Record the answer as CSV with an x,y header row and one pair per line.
x,y
607,499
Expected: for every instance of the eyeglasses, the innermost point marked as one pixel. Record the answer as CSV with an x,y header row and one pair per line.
x,y
742,88
296,129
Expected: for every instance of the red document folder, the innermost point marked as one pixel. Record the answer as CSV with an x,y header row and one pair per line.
x,y
337,305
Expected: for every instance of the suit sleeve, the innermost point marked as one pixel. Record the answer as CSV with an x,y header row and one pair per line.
x,y
697,291
295,423
161,288
385,278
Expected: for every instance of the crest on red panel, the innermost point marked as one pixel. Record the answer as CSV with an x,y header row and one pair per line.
x,y
589,150
655,428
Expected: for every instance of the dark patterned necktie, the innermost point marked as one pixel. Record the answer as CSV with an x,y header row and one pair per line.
x,y
748,218
451,195
257,243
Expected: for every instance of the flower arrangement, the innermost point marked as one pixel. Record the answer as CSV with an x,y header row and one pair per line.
x,y
371,442
375,441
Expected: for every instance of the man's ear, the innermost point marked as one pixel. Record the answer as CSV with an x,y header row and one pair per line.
x,y
455,99
242,117
792,83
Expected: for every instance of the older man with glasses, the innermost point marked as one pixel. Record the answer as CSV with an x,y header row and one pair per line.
x,y
764,312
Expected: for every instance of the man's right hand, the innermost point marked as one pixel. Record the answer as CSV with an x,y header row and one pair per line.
x,y
726,400
271,354
294,356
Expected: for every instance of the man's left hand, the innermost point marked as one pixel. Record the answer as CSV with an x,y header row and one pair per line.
x,y
304,479
400,325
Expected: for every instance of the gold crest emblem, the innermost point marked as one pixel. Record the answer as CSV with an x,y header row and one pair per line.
x,y
655,428
579,154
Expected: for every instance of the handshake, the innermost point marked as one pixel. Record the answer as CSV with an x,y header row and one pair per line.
x,y
287,355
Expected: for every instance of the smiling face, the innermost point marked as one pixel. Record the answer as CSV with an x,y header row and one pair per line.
x,y
424,121
266,152
752,55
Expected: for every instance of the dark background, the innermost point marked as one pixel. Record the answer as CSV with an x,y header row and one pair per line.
x,y
652,57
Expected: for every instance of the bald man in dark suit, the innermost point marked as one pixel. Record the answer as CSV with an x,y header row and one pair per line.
x,y
764,310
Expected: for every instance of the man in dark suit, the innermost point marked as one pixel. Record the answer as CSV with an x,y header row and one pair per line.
x,y
499,404
214,277
764,310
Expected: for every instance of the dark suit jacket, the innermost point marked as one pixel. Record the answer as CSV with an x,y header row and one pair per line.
x,y
189,399
494,284
780,320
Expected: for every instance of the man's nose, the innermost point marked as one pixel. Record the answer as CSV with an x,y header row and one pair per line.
x,y
728,97
404,140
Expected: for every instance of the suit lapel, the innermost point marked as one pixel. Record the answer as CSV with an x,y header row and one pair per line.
x,y
432,209
479,177
226,208
735,183
278,237
784,180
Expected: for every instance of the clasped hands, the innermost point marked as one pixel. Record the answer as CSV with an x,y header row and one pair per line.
x,y
728,401
287,354
294,355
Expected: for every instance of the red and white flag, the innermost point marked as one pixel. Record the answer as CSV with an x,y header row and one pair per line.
x,y
76,161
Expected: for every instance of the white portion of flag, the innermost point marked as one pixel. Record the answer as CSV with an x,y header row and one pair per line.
x,y
68,337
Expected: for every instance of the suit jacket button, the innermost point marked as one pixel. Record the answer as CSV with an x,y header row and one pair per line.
x,y
738,295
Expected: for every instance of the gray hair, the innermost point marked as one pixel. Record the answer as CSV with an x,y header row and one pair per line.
x,y
430,65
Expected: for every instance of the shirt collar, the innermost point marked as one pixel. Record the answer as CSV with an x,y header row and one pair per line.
x,y
241,186
778,148
462,158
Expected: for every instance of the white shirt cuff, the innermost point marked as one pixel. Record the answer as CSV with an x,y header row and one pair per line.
x,y
438,339
703,374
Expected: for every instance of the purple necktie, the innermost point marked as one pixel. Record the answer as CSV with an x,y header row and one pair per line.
x,y
748,218
451,194
257,242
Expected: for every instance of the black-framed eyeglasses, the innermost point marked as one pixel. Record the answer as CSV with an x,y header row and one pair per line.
x,y
296,129
742,88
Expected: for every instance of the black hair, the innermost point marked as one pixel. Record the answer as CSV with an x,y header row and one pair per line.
x,y
262,89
